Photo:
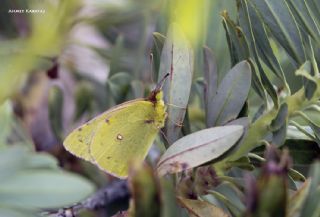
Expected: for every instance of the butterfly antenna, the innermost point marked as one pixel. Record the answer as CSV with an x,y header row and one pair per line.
x,y
161,82
151,67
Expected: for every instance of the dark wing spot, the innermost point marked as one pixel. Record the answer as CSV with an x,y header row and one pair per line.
x,y
107,121
108,157
149,121
80,140
79,129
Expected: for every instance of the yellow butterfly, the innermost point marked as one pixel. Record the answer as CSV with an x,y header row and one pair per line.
x,y
121,134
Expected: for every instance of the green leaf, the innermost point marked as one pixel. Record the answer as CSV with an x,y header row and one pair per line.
x,y
281,117
294,133
311,205
84,97
44,189
170,207
307,22
15,158
314,7
306,130
14,212
5,122
198,148
231,95
238,45
257,84
136,90
310,81
202,208
176,59
55,105
296,175
232,197
272,196
41,161
253,27
283,26
239,50
145,192
232,208
216,37
279,125
211,79
305,71
158,42
298,198
310,51
247,15
117,87
279,136
245,122
313,124
12,159
117,52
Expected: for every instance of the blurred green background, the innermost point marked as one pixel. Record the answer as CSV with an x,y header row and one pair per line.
x,y
60,68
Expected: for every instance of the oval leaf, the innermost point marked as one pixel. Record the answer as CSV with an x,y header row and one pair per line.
x,y
12,159
13,212
231,95
176,59
44,189
211,78
198,148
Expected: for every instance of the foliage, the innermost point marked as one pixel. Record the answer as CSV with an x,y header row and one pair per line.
x,y
242,134
28,179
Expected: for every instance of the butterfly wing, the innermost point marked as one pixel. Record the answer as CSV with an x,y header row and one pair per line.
x,y
79,140
118,135
124,135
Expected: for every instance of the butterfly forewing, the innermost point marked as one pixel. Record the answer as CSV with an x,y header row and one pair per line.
x,y
79,140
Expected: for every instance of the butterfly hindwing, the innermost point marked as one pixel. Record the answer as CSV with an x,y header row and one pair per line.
x,y
79,140
124,135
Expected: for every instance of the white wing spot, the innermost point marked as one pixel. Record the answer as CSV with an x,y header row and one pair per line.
x,y
119,137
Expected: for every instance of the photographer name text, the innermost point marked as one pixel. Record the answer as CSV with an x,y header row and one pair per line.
x,y
26,11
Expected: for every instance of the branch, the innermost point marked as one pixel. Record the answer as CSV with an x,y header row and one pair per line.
x,y
115,191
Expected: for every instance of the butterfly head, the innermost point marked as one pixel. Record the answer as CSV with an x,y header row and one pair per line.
x,y
156,97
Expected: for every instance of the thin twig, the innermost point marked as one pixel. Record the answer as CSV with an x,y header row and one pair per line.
x,y
115,191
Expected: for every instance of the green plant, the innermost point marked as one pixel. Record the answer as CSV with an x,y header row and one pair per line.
x,y
242,133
